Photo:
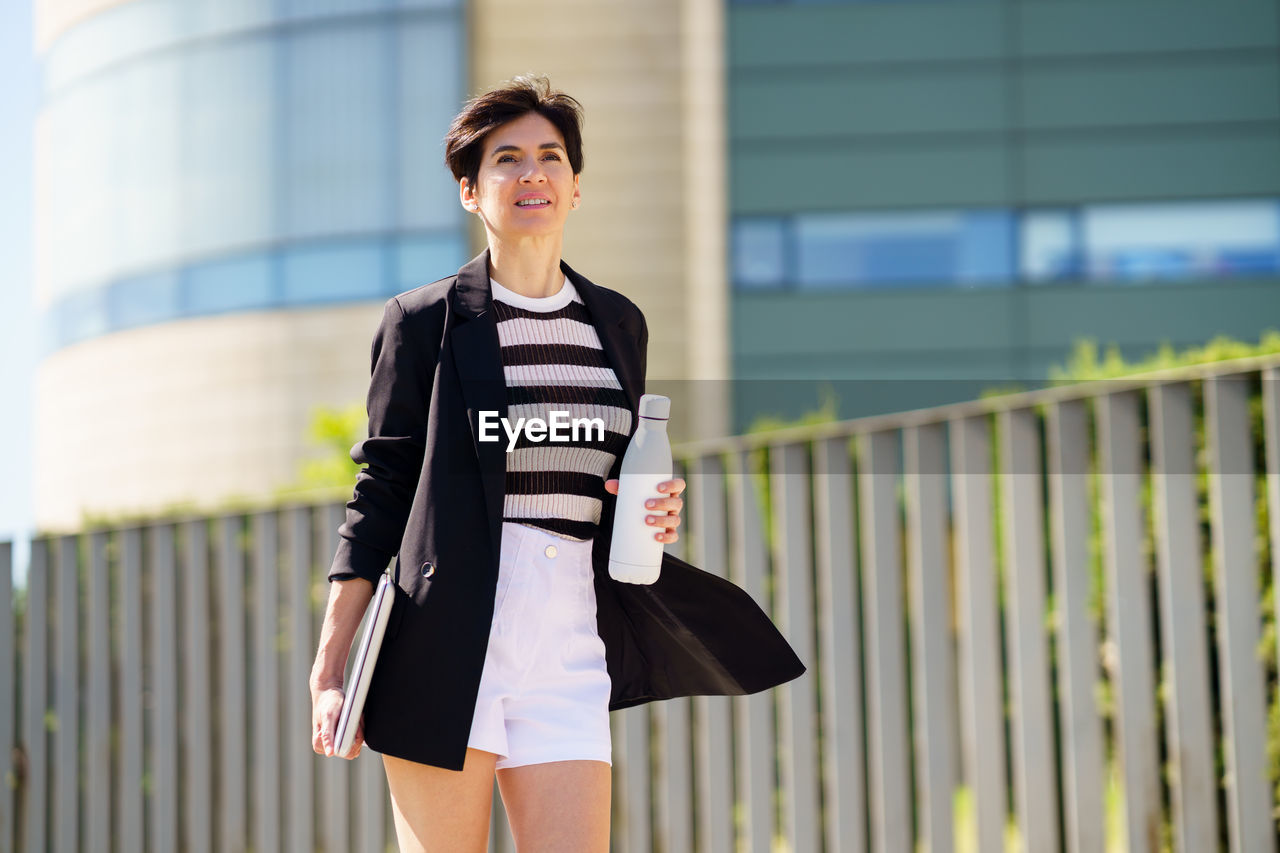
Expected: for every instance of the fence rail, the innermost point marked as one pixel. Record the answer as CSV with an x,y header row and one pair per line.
x,y
1032,622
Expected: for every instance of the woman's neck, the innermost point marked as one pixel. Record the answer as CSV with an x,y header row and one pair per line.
x,y
530,268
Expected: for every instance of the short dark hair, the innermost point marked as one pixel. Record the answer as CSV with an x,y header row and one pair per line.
x,y
517,97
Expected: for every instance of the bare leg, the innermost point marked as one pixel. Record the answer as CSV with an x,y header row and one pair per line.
x,y
559,806
442,810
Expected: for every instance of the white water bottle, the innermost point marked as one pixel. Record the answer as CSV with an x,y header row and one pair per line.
x,y
635,556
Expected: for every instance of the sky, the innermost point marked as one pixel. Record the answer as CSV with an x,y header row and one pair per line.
x,y
19,96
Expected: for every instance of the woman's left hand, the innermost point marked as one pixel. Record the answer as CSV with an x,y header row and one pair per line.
x,y
672,504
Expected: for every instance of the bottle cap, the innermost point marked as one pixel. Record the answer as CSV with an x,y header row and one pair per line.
x,y
655,407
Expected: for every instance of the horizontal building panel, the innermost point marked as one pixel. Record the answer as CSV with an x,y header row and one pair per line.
x,y
837,34
1181,89
1139,318
795,178
848,102
1156,164
1078,29
871,324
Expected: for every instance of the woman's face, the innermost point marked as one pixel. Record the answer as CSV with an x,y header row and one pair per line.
x,y
525,186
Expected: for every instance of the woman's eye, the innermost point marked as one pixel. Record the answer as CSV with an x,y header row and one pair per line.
x,y
506,157
553,156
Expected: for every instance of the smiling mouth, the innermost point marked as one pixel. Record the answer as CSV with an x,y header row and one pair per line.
x,y
533,202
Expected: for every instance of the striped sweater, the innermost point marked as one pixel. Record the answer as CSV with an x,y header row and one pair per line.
x,y
552,360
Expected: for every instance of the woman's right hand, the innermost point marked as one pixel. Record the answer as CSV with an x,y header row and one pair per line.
x,y
326,707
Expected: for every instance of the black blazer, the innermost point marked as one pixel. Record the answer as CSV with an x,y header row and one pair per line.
x,y
432,495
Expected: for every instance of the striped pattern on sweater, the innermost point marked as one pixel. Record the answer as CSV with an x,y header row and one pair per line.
x,y
553,360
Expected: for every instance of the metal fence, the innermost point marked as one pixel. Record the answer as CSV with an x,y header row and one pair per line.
x,y
1031,622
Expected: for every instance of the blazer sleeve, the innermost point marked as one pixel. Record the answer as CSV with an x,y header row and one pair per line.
x,y
398,403
644,349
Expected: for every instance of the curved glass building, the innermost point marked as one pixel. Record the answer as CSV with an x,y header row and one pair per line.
x,y
226,192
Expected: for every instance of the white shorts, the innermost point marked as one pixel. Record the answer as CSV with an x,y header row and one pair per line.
x,y
544,692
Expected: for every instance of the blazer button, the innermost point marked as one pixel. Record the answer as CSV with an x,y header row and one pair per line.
x,y
428,569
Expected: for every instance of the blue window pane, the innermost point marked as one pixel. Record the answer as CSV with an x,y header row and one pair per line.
x,y
1049,247
429,80
1249,261
422,260
904,249
1181,240
337,122
985,249
237,284
759,253
332,273
81,315
144,299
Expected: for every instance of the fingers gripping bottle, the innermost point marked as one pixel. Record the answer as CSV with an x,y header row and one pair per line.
x,y
634,555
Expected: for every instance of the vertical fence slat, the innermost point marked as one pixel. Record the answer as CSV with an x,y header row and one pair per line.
x,y
197,769
840,648
754,714
265,595
130,828
1034,766
335,776
631,760
714,723
930,607
232,823
500,838
675,723
66,734
1193,785
97,699
374,802
883,615
1077,634
981,701
1129,616
164,678
1231,505
97,829
35,696
300,756
1271,432
675,785
8,708
793,606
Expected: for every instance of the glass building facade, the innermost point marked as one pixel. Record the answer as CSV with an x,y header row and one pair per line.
x,y
1114,243
209,156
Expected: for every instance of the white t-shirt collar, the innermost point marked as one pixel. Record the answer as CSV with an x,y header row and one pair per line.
x,y
554,302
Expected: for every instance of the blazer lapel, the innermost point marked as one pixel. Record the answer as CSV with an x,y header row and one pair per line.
x,y
478,359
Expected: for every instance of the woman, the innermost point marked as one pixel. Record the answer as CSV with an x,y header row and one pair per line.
x,y
509,644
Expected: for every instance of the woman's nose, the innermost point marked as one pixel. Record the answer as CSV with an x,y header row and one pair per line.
x,y
534,174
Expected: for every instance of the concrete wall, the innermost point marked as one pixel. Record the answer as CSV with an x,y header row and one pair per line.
x,y
651,223
192,412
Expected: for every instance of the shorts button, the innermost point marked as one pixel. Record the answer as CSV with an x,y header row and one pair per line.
x,y
551,551
428,569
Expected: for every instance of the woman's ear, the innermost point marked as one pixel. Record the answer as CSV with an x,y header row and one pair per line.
x,y
467,195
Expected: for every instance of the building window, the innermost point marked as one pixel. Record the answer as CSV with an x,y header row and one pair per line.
x,y
313,273
759,252
903,249
1101,243
872,250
